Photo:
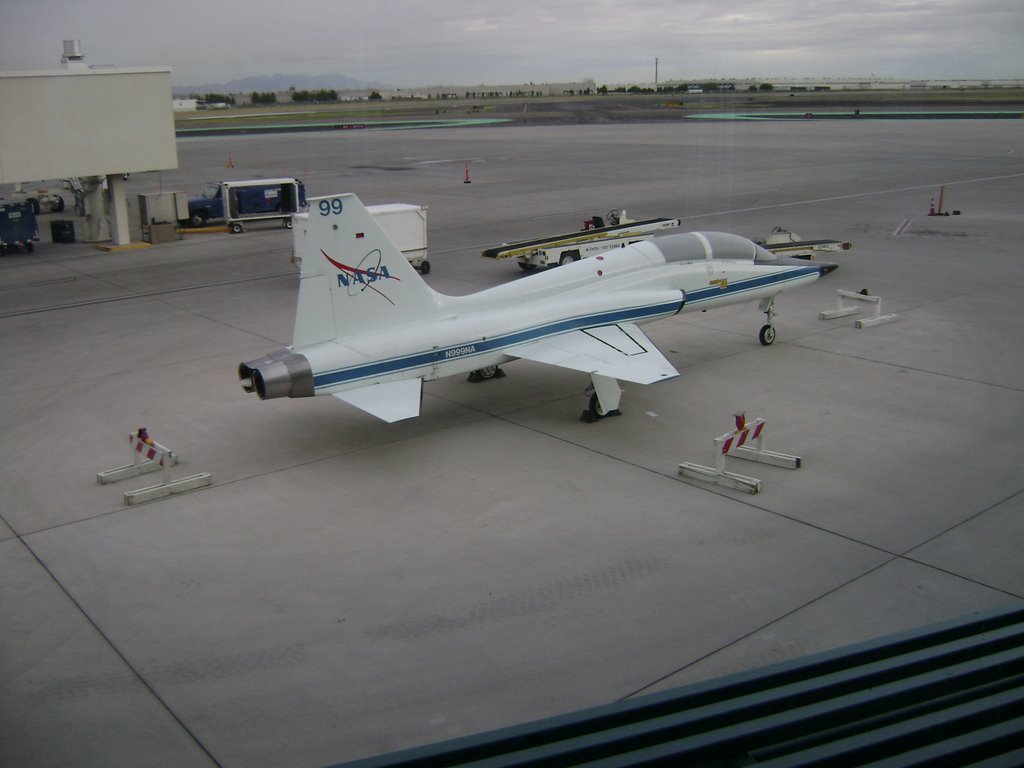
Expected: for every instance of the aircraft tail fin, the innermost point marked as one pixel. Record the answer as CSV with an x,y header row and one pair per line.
x,y
354,278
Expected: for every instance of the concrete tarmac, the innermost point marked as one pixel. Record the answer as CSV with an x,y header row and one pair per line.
x,y
349,587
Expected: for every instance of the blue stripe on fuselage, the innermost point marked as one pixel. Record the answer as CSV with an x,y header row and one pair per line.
x,y
485,346
751,284
427,358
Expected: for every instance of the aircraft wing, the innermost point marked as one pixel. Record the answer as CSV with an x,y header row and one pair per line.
x,y
391,401
619,351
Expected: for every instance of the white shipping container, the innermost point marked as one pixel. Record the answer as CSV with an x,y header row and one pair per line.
x,y
299,223
406,226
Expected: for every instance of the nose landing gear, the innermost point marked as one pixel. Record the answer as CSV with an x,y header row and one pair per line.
x,y
767,333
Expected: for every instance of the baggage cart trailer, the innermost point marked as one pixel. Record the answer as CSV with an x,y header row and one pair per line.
x,y
573,246
18,227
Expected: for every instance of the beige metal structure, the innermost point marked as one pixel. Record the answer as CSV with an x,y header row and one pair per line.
x,y
94,124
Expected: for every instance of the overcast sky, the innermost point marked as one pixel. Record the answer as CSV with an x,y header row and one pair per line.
x,y
432,42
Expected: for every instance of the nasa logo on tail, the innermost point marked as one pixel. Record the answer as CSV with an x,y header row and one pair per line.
x,y
357,279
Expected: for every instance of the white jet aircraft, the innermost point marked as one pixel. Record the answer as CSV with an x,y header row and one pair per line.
x,y
370,331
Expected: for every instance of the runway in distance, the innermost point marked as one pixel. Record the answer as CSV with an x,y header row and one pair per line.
x,y
370,331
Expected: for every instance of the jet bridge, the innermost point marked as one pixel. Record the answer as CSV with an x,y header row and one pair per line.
x,y
97,124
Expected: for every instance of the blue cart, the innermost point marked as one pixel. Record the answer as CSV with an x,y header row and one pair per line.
x,y
18,227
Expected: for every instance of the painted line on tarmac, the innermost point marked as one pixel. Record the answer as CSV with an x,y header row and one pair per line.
x,y
854,196
145,295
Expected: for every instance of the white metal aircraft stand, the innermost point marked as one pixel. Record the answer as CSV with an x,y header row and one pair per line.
x,y
149,456
842,311
734,444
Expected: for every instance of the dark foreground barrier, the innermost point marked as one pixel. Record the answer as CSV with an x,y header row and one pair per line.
x,y
946,695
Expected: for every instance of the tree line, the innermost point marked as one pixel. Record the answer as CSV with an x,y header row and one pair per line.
x,y
331,95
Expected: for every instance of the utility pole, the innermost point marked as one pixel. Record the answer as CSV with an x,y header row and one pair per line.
x,y
655,73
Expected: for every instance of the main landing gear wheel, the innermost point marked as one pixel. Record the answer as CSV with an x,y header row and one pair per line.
x,y
767,334
485,374
595,412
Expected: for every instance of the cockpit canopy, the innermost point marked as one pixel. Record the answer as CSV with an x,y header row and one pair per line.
x,y
702,246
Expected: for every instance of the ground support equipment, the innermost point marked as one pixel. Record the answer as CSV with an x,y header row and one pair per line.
x,y
149,456
734,443
842,310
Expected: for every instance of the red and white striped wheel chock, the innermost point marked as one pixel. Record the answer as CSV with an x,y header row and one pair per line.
x,y
735,443
149,456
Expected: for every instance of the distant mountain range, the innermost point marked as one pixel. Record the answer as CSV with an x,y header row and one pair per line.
x,y
277,83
